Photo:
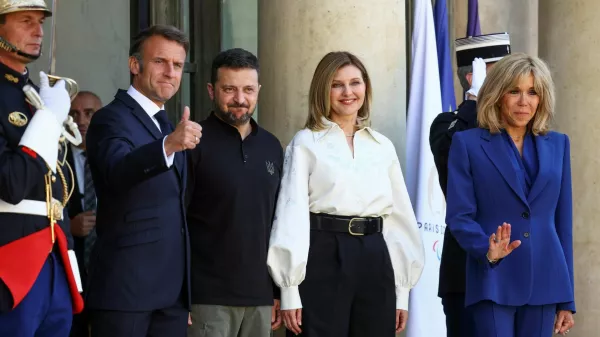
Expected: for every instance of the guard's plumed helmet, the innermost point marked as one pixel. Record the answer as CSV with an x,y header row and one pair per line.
x,y
11,6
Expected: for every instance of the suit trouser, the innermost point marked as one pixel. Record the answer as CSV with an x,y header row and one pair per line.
x,y
349,287
168,322
80,327
47,310
495,320
81,321
459,319
225,321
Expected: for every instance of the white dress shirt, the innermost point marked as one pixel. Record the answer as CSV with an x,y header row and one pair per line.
x,y
151,109
320,175
79,160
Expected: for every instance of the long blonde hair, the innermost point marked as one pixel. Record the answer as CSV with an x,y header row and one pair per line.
x,y
504,76
319,104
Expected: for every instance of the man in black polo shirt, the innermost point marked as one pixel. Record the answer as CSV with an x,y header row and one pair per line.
x,y
234,176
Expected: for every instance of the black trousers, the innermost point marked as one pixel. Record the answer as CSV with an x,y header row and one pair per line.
x,y
80,326
459,320
81,322
349,287
170,322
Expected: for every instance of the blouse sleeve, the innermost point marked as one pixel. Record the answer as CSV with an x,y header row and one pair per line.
x,y
403,238
289,243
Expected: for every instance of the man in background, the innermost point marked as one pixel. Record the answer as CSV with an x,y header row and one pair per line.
x,y
82,205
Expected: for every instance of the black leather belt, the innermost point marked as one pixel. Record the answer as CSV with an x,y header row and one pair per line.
x,y
346,224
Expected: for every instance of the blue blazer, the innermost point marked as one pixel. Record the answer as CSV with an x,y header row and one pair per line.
x,y
484,192
140,261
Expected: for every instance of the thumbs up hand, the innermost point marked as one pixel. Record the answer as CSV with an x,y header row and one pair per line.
x,y
187,135
186,115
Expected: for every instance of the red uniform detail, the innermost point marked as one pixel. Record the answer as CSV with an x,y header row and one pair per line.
x,y
24,259
63,248
29,151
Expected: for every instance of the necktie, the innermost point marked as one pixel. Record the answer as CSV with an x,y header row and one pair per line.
x,y
89,204
166,128
163,121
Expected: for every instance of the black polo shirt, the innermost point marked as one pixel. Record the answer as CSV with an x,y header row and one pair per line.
x,y
231,195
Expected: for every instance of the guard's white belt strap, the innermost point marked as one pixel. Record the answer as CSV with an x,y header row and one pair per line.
x,y
33,207
36,207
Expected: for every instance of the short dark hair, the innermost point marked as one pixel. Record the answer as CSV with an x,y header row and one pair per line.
x,y
89,93
236,58
168,32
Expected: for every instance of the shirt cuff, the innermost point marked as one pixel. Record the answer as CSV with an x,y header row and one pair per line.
x,y
169,159
290,298
402,298
42,135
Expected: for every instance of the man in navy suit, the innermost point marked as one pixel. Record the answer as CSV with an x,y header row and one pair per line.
x,y
139,268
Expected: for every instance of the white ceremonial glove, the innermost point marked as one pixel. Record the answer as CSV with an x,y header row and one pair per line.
x,y
56,99
479,72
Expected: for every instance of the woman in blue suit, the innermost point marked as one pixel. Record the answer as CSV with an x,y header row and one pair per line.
x,y
510,205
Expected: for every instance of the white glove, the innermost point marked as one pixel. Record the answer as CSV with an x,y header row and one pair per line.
x,y
479,72
56,99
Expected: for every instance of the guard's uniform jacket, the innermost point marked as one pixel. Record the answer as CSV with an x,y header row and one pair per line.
x,y
26,236
453,263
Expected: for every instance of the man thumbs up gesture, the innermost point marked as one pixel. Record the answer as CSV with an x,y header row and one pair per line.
x,y
187,135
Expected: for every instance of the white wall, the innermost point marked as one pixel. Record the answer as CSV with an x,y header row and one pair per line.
x,y
92,45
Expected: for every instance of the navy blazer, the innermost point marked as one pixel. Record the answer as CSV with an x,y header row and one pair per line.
x,y
140,261
484,192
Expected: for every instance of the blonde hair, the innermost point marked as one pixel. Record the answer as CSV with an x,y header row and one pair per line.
x,y
319,104
504,76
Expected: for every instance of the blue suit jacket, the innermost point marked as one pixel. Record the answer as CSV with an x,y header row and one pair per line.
x,y
140,261
484,192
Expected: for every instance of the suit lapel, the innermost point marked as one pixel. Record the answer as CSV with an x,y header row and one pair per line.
x,y
545,153
142,116
147,122
495,149
178,162
139,113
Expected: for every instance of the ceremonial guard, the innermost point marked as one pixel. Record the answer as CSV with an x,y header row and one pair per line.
x,y
475,55
39,280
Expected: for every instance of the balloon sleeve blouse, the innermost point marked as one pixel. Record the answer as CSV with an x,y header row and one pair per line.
x,y
321,175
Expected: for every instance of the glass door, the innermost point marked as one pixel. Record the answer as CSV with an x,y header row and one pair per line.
x,y
200,20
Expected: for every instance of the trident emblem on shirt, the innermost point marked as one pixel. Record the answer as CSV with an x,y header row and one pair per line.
x,y
270,167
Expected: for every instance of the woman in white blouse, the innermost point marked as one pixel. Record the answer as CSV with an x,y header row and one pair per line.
x,y
345,248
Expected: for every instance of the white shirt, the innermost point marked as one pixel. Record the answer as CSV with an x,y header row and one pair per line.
x,y
321,176
151,109
79,161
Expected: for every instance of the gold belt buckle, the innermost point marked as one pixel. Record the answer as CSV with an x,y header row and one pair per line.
x,y
57,210
350,227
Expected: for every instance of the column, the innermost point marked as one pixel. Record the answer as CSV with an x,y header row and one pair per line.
x,y
293,36
570,45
